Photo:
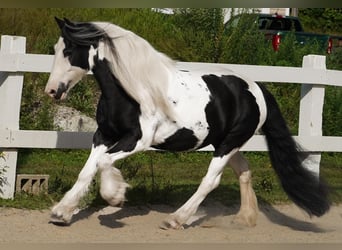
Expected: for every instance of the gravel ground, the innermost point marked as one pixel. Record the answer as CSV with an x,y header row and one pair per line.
x,y
211,224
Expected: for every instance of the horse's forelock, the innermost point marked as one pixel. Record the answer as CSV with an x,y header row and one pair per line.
x,y
84,34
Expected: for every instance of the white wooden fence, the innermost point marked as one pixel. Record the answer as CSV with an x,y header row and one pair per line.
x,y
313,75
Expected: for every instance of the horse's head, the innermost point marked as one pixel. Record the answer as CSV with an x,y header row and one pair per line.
x,y
74,53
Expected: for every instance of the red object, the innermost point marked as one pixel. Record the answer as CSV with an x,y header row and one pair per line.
x,y
330,43
276,42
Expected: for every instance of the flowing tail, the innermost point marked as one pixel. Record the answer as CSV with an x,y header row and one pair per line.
x,y
303,187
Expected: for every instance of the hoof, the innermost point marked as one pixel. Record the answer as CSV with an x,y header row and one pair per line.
x,y
116,199
60,217
116,203
59,221
171,223
242,220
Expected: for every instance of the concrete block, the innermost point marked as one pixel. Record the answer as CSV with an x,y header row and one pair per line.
x,y
32,183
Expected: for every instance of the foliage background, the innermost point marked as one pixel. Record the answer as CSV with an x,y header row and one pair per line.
x,y
189,35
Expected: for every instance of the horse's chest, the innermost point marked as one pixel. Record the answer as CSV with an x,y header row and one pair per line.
x,y
118,116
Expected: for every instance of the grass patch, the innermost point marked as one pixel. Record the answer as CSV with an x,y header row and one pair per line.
x,y
159,178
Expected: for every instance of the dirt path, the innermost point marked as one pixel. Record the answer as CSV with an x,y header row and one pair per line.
x,y
278,224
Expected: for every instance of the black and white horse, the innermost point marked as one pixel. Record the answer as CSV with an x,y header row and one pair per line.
x,y
147,102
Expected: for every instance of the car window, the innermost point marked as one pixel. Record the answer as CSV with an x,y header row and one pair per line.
x,y
276,23
269,23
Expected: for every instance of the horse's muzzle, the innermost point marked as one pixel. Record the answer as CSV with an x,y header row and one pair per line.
x,y
58,94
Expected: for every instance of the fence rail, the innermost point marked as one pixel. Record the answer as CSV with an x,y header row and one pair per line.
x,y
14,62
13,139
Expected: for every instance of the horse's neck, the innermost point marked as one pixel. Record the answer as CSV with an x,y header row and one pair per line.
x,y
108,83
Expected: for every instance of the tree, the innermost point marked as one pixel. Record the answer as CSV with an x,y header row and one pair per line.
x,y
325,20
204,29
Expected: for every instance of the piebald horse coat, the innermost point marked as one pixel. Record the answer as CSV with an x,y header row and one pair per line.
x,y
146,101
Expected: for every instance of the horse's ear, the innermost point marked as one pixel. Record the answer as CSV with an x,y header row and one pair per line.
x,y
60,22
69,23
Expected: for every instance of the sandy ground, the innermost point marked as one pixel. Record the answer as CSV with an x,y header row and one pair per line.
x,y
211,224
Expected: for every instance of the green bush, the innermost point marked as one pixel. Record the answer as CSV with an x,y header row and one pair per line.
x,y
332,113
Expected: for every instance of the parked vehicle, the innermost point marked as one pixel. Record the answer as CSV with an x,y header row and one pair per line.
x,y
276,27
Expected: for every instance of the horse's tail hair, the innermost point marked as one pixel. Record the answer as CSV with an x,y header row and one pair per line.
x,y
303,187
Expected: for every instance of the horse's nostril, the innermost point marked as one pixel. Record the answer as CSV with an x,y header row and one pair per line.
x,y
52,92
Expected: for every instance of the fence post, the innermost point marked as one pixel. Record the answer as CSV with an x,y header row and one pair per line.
x,y
11,84
311,110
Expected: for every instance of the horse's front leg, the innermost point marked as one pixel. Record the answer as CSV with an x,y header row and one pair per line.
x,y
64,210
112,189
113,186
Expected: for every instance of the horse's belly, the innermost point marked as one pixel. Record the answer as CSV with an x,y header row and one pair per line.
x,y
187,133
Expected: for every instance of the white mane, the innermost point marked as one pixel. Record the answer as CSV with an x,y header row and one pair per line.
x,y
143,72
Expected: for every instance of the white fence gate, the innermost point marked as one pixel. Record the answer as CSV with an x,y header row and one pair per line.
x,y
313,75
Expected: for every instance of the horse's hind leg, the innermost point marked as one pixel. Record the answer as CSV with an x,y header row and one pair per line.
x,y
249,207
209,182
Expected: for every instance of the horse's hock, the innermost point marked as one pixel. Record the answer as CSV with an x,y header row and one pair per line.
x,y
31,183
